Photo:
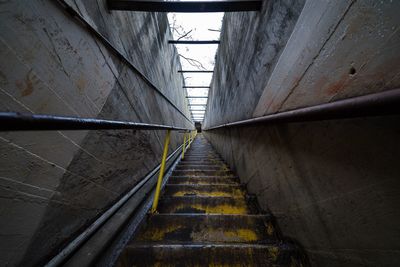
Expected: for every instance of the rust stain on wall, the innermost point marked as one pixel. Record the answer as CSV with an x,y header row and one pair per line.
x,y
336,87
26,86
81,84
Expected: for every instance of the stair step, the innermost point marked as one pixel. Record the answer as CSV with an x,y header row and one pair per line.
x,y
202,172
208,163
203,154
204,190
207,255
220,167
202,180
188,157
199,160
205,218
178,228
208,205
195,163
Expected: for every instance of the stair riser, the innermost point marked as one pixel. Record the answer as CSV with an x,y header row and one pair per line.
x,y
202,180
188,157
202,173
196,163
201,168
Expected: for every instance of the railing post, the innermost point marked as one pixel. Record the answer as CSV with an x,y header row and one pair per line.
x,y
189,141
161,174
184,145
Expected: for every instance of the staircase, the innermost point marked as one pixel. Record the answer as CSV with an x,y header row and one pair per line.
x,y
205,218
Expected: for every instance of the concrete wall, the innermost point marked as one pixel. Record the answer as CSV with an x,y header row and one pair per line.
x,y
333,185
53,184
251,43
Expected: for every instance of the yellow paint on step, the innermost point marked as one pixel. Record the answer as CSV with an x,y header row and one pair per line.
x,y
238,193
240,208
224,168
224,209
270,229
273,253
156,234
242,234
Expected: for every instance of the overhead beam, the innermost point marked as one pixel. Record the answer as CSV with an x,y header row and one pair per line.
x,y
193,42
195,71
196,86
203,105
197,97
184,6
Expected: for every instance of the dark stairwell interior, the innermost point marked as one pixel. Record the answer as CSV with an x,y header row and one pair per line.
x,y
296,163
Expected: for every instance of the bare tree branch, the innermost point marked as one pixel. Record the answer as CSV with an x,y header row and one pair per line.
x,y
186,34
195,63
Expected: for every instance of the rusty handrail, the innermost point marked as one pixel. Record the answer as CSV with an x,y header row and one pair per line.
x,y
377,104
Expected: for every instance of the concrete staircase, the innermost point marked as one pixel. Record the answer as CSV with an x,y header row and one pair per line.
x,y
206,219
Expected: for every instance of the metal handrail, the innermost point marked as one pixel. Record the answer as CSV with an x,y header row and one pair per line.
x,y
377,104
191,136
13,121
78,241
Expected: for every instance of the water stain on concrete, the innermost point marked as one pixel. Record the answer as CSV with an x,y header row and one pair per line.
x,y
26,86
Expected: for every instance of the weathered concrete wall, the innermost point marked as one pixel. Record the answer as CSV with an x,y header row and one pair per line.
x,y
338,49
333,185
53,184
251,43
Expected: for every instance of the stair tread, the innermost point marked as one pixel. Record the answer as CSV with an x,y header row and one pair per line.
x,y
208,205
233,190
162,254
207,229
202,180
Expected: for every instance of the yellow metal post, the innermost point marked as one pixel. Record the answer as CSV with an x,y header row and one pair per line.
x,y
161,174
190,139
184,146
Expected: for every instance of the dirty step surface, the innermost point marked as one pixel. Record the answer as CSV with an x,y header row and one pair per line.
x,y
206,218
